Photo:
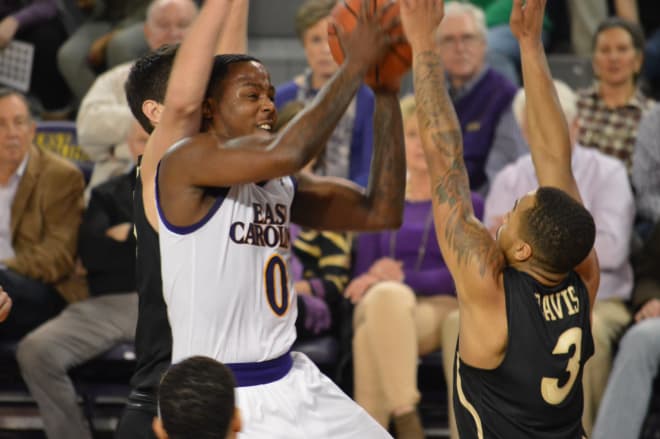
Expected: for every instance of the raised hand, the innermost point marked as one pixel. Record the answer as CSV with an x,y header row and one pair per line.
x,y
420,19
526,20
369,41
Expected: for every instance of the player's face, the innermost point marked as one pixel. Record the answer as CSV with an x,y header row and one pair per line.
x,y
245,103
415,159
463,48
317,51
615,59
16,131
508,234
168,22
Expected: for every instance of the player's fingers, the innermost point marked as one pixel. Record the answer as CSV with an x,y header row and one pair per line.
x,y
365,10
382,11
5,307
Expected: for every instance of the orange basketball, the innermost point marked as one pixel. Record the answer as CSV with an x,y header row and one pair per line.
x,y
388,72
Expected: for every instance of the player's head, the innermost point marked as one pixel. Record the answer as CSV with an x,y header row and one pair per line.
x,y
239,98
196,401
312,29
147,83
167,21
547,229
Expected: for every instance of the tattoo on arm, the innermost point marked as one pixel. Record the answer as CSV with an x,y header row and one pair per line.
x,y
465,236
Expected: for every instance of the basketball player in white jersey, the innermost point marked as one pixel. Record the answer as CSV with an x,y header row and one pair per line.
x,y
225,199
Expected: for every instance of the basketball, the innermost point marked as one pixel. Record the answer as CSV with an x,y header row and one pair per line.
x,y
388,72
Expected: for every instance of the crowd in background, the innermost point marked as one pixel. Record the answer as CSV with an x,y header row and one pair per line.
x,y
67,252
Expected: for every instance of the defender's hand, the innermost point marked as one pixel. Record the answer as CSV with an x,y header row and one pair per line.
x,y
526,20
8,29
420,19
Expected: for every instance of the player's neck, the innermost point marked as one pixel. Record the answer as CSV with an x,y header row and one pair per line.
x,y
542,276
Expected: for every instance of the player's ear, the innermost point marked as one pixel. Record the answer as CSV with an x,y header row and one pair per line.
x,y
152,110
522,251
159,430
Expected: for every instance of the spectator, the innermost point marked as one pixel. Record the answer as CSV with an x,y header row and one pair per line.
x,y
626,400
104,117
348,152
491,136
606,193
609,111
41,203
88,328
196,400
403,292
5,305
500,39
38,22
110,35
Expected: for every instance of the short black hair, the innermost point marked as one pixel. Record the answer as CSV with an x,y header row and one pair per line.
x,y
220,69
196,399
560,230
148,80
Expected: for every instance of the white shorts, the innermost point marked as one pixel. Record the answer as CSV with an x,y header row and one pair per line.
x,y
304,404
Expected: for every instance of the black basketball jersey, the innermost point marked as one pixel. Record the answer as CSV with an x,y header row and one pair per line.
x,y
537,390
153,336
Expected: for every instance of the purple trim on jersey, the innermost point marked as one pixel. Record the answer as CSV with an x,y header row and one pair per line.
x,y
263,372
186,230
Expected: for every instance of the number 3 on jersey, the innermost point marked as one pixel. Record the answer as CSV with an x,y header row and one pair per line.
x,y
276,279
552,392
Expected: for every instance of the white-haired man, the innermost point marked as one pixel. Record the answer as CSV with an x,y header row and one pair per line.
x,y
481,95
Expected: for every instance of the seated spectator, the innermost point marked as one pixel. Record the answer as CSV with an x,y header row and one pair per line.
x,y
196,400
104,117
38,22
110,35
403,292
491,136
5,305
628,393
500,39
88,328
609,111
348,152
606,193
41,204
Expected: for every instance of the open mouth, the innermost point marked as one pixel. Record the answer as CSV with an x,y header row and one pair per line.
x,y
266,126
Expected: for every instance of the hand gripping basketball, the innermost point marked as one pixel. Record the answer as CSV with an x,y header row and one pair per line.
x,y
386,52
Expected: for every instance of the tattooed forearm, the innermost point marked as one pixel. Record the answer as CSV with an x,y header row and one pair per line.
x,y
388,166
435,111
460,232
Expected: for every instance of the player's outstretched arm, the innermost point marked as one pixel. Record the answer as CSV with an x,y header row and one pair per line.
x,y
334,204
471,254
549,140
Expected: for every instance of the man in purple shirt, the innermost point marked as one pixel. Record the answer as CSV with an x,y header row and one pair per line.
x,y
38,22
606,193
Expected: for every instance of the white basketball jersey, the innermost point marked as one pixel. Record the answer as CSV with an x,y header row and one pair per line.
x,y
225,280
